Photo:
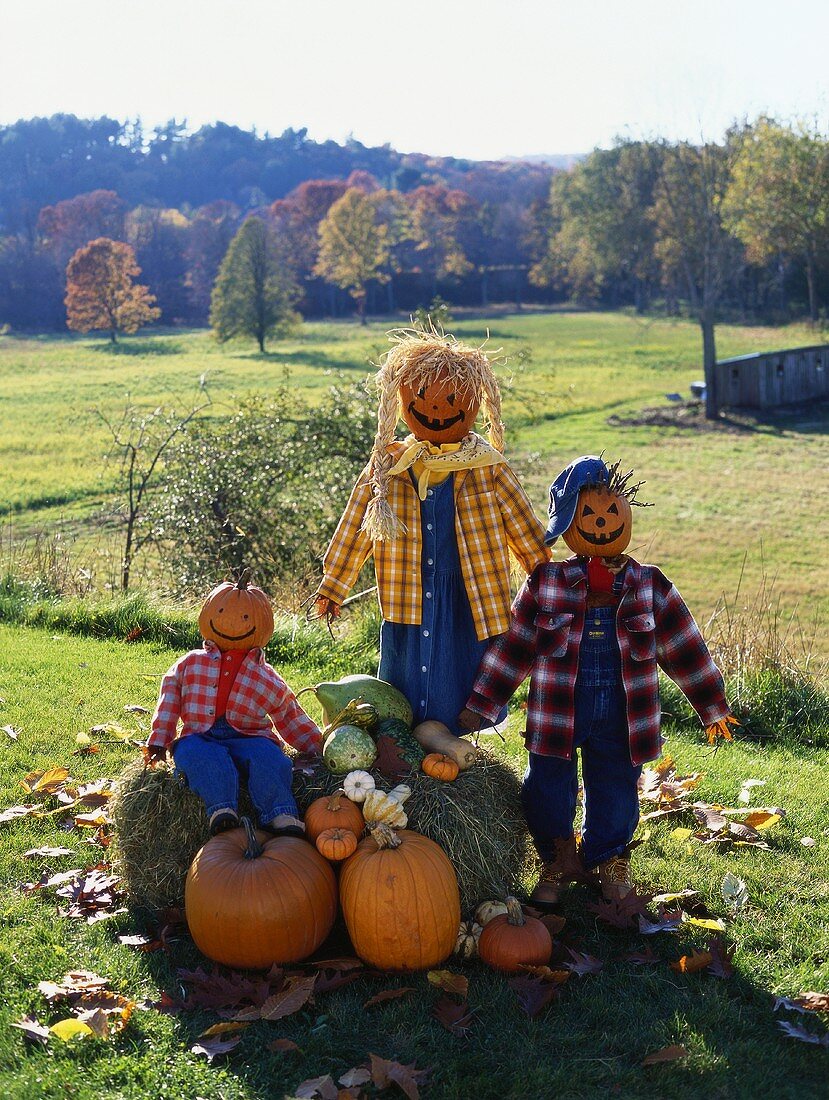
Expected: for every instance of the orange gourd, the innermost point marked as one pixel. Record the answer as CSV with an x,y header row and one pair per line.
x,y
440,766
437,409
333,811
602,524
237,616
252,901
512,940
399,896
336,844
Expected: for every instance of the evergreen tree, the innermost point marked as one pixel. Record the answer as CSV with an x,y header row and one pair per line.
x,y
255,289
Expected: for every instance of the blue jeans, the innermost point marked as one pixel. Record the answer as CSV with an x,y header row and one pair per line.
x,y
611,797
212,763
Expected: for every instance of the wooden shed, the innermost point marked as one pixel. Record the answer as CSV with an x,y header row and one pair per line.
x,y
771,378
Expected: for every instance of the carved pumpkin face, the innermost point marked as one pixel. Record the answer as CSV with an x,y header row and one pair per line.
x,y
602,524
438,412
237,616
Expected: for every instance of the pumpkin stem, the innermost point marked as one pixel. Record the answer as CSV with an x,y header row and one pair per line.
x,y
254,849
515,915
334,801
384,835
244,577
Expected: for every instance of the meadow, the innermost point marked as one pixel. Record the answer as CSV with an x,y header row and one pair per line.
x,y
732,506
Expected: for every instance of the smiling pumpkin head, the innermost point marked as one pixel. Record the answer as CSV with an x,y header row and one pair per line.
x,y
438,386
237,616
437,409
602,525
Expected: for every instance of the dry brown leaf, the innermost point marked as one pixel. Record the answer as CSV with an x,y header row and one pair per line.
x,y
288,1000
33,1029
45,782
406,1078
455,1017
388,995
357,1075
534,994
690,964
812,1002
449,982
666,1054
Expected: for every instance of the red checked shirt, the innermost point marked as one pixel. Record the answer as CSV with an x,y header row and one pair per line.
x,y
654,628
259,700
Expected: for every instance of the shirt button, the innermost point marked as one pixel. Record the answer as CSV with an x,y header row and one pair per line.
x,y
424,669
423,702
428,527
227,674
428,595
429,561
430,492
425,633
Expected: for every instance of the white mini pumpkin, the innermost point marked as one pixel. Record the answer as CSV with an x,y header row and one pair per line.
x,y
357,785
489,909
379,807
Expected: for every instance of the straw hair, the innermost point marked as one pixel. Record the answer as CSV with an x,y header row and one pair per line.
x,y
420,356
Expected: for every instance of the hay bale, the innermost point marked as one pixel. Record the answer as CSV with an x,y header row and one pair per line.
x,y
477,820
160,825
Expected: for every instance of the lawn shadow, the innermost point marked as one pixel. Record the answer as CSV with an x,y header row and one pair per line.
x,y
309,358
811,417
139,348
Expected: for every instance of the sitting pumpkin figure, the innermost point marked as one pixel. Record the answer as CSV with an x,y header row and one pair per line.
x,y
234,709
592,631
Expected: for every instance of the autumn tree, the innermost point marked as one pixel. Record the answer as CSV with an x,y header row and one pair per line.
x,y
438,216
353,246
71,223
778,199
693,247
101,293
255,289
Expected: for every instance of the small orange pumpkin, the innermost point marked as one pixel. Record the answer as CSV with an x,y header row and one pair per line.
x,y
336,844
602,524
252,901
437,410
237,616
440,766
511,941
333,811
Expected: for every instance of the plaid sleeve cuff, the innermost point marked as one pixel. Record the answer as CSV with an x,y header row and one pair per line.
x,y
485,707
334,590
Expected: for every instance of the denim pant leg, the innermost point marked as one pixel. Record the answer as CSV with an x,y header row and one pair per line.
x,y
268,773
611,796
209,770
548,795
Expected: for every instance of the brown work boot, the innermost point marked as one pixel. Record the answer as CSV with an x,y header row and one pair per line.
x,y
555,874
614,878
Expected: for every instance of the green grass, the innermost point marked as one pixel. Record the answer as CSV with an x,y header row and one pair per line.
x,y
726,503
588,1043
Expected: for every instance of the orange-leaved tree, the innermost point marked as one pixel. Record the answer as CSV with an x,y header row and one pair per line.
x,y
101,293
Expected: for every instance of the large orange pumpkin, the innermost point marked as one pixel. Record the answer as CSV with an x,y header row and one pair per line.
x,y
512,940
438,410
252,901
237,616
333,811
399,896
602,524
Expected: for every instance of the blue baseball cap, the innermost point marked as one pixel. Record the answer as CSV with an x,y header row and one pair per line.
x,y
564,492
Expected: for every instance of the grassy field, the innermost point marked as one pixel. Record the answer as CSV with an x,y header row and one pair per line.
x,y
589,1042
727,502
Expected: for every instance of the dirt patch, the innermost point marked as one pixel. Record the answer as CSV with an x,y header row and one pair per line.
x,y
690,416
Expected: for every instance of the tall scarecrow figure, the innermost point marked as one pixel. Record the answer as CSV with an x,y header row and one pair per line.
x,y
592,631
439,511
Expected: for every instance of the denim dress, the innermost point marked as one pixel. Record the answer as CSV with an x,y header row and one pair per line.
x,y
550,788
434,663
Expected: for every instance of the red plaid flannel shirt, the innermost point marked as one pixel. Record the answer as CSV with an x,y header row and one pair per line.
x,y
259,700
654,628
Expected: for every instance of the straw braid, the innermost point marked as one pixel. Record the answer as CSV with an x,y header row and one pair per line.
x,y
422,355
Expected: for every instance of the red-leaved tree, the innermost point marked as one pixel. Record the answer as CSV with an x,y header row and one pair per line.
x,y
101,293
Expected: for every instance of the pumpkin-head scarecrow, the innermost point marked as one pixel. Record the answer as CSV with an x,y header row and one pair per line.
x,y
440,510
235,712
593,631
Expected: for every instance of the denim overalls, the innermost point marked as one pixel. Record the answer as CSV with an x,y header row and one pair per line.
x,y
550,787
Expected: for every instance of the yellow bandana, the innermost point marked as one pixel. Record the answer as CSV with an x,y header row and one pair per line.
x,y
433,463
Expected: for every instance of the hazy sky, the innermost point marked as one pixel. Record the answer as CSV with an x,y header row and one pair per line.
x,y
476,79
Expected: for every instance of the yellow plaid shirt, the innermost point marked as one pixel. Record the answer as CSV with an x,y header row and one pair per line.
x,y
492,517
